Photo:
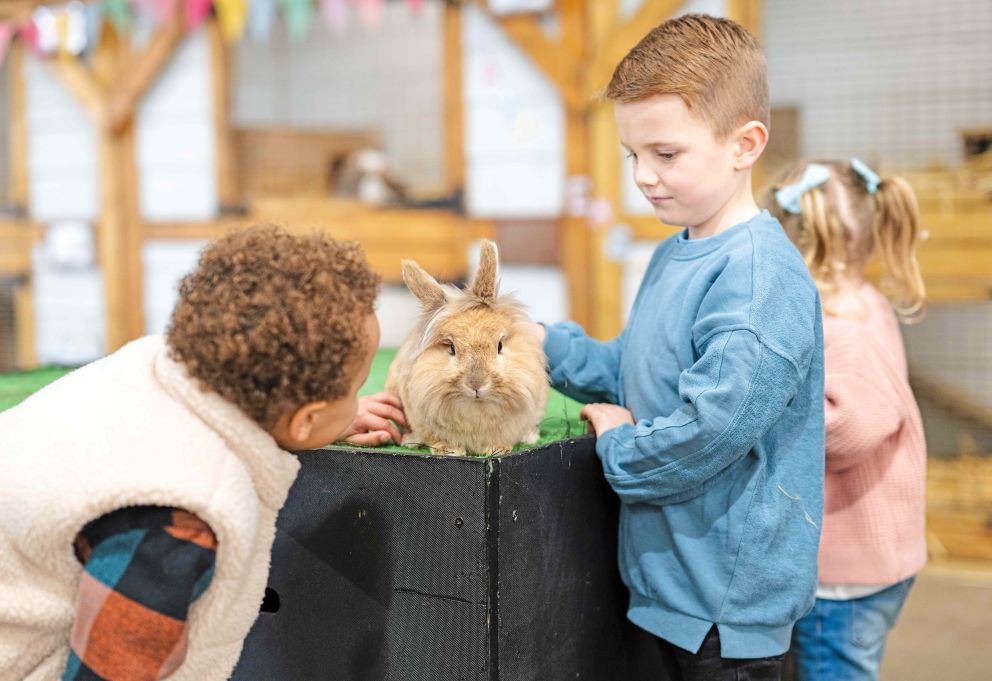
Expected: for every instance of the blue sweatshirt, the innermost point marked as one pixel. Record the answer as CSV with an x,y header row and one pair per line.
x,y
721,478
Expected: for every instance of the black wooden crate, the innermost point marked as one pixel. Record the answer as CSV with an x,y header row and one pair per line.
x,y
407,567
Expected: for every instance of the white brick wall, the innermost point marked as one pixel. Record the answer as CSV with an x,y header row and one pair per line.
x,y
891,81
389,79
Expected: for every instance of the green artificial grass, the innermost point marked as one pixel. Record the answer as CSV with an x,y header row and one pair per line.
x,y
16,387
561,420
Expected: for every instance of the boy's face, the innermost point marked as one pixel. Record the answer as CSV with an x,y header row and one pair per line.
x,y
683,170
325,422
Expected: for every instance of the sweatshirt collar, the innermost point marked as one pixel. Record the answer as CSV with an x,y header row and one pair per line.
x,y
689,249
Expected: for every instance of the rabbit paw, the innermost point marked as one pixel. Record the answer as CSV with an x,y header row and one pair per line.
x,y
531,437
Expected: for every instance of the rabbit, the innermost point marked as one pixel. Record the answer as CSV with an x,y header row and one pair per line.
x,y
471,375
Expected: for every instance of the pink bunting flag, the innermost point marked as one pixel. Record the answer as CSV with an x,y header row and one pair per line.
x,y
158,11
370,12
416,5
196,12
6,35
335,13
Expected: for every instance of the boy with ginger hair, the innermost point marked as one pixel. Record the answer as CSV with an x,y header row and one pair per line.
x,y
708,407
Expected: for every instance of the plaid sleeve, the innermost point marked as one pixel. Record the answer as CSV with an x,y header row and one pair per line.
x,y
144,567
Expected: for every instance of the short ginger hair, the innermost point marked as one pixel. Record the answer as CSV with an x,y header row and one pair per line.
x,y
713,64
271,320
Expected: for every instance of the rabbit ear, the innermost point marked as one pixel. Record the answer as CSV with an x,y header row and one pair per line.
x,y
485,284
430,293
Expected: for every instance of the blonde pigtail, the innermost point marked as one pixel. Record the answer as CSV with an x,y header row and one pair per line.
x,y
897,234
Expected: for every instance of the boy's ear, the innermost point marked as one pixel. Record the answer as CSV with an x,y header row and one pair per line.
x,y
751,140
302,421
430,293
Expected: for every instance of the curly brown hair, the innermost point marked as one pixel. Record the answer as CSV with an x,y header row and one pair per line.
x,y
272,320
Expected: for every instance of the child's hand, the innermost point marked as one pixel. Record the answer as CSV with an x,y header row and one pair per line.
x,y
374,423
604,417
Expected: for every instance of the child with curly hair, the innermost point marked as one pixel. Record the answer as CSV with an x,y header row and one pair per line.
x,y
152,478
841,215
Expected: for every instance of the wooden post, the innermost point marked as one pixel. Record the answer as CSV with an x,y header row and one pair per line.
x,y
228,191
453,104
18,141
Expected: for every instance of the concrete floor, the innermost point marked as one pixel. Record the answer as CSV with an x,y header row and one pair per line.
x,y
944,632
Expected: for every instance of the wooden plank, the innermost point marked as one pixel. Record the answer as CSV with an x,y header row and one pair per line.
x,y
620,39
16,239
453,105
606,293
25,327
220,80
18,132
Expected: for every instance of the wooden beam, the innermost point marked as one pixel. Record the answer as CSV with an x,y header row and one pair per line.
x,y
25,327
453,104
81,83
618,40
228,191
747,13
18,141
573,229
140,76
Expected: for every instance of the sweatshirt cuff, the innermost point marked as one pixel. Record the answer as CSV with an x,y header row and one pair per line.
x,y
608,442
556,343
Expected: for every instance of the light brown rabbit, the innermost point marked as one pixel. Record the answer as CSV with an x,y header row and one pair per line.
x,y
471,375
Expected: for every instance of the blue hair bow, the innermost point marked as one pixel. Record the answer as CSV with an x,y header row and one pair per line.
x,y
789,195
872,180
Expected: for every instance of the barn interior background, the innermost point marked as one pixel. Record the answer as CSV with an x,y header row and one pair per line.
x,y
133,130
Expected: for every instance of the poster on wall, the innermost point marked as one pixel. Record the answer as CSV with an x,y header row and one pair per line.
x,y
519,6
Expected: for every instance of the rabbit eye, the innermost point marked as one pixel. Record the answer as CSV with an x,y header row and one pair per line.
x,y
451,348
499,347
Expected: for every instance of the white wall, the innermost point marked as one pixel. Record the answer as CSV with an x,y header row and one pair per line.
x,y
891,81
176,152
389,79
514,127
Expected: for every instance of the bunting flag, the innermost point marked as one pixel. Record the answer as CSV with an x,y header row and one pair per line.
x,y
261,16
94,22
70,29
46,30
370,12
297,15
6,35
157,11
119,14
196,12
416,5
232,16
335,13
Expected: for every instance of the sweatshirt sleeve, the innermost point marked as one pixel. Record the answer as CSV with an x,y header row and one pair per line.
x,y
583,368
861,408
737,389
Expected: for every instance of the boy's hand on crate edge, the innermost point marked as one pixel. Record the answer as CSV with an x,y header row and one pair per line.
x,y
603,417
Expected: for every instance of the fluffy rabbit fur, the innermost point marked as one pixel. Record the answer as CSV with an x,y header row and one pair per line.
x,y
471,374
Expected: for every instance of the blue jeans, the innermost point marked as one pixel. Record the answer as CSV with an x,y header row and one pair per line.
x,y
844,640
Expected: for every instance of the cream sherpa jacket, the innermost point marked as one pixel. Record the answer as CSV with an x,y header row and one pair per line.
x,y
131,429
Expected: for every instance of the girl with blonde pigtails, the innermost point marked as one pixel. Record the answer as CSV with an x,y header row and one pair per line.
x,y
842,217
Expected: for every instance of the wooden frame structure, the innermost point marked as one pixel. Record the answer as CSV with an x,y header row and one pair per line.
x,y
592,39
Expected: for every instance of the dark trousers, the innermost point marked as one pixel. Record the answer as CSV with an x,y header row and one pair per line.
x,y
707,665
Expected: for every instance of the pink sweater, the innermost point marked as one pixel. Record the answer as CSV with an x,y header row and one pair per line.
x,y
874,489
